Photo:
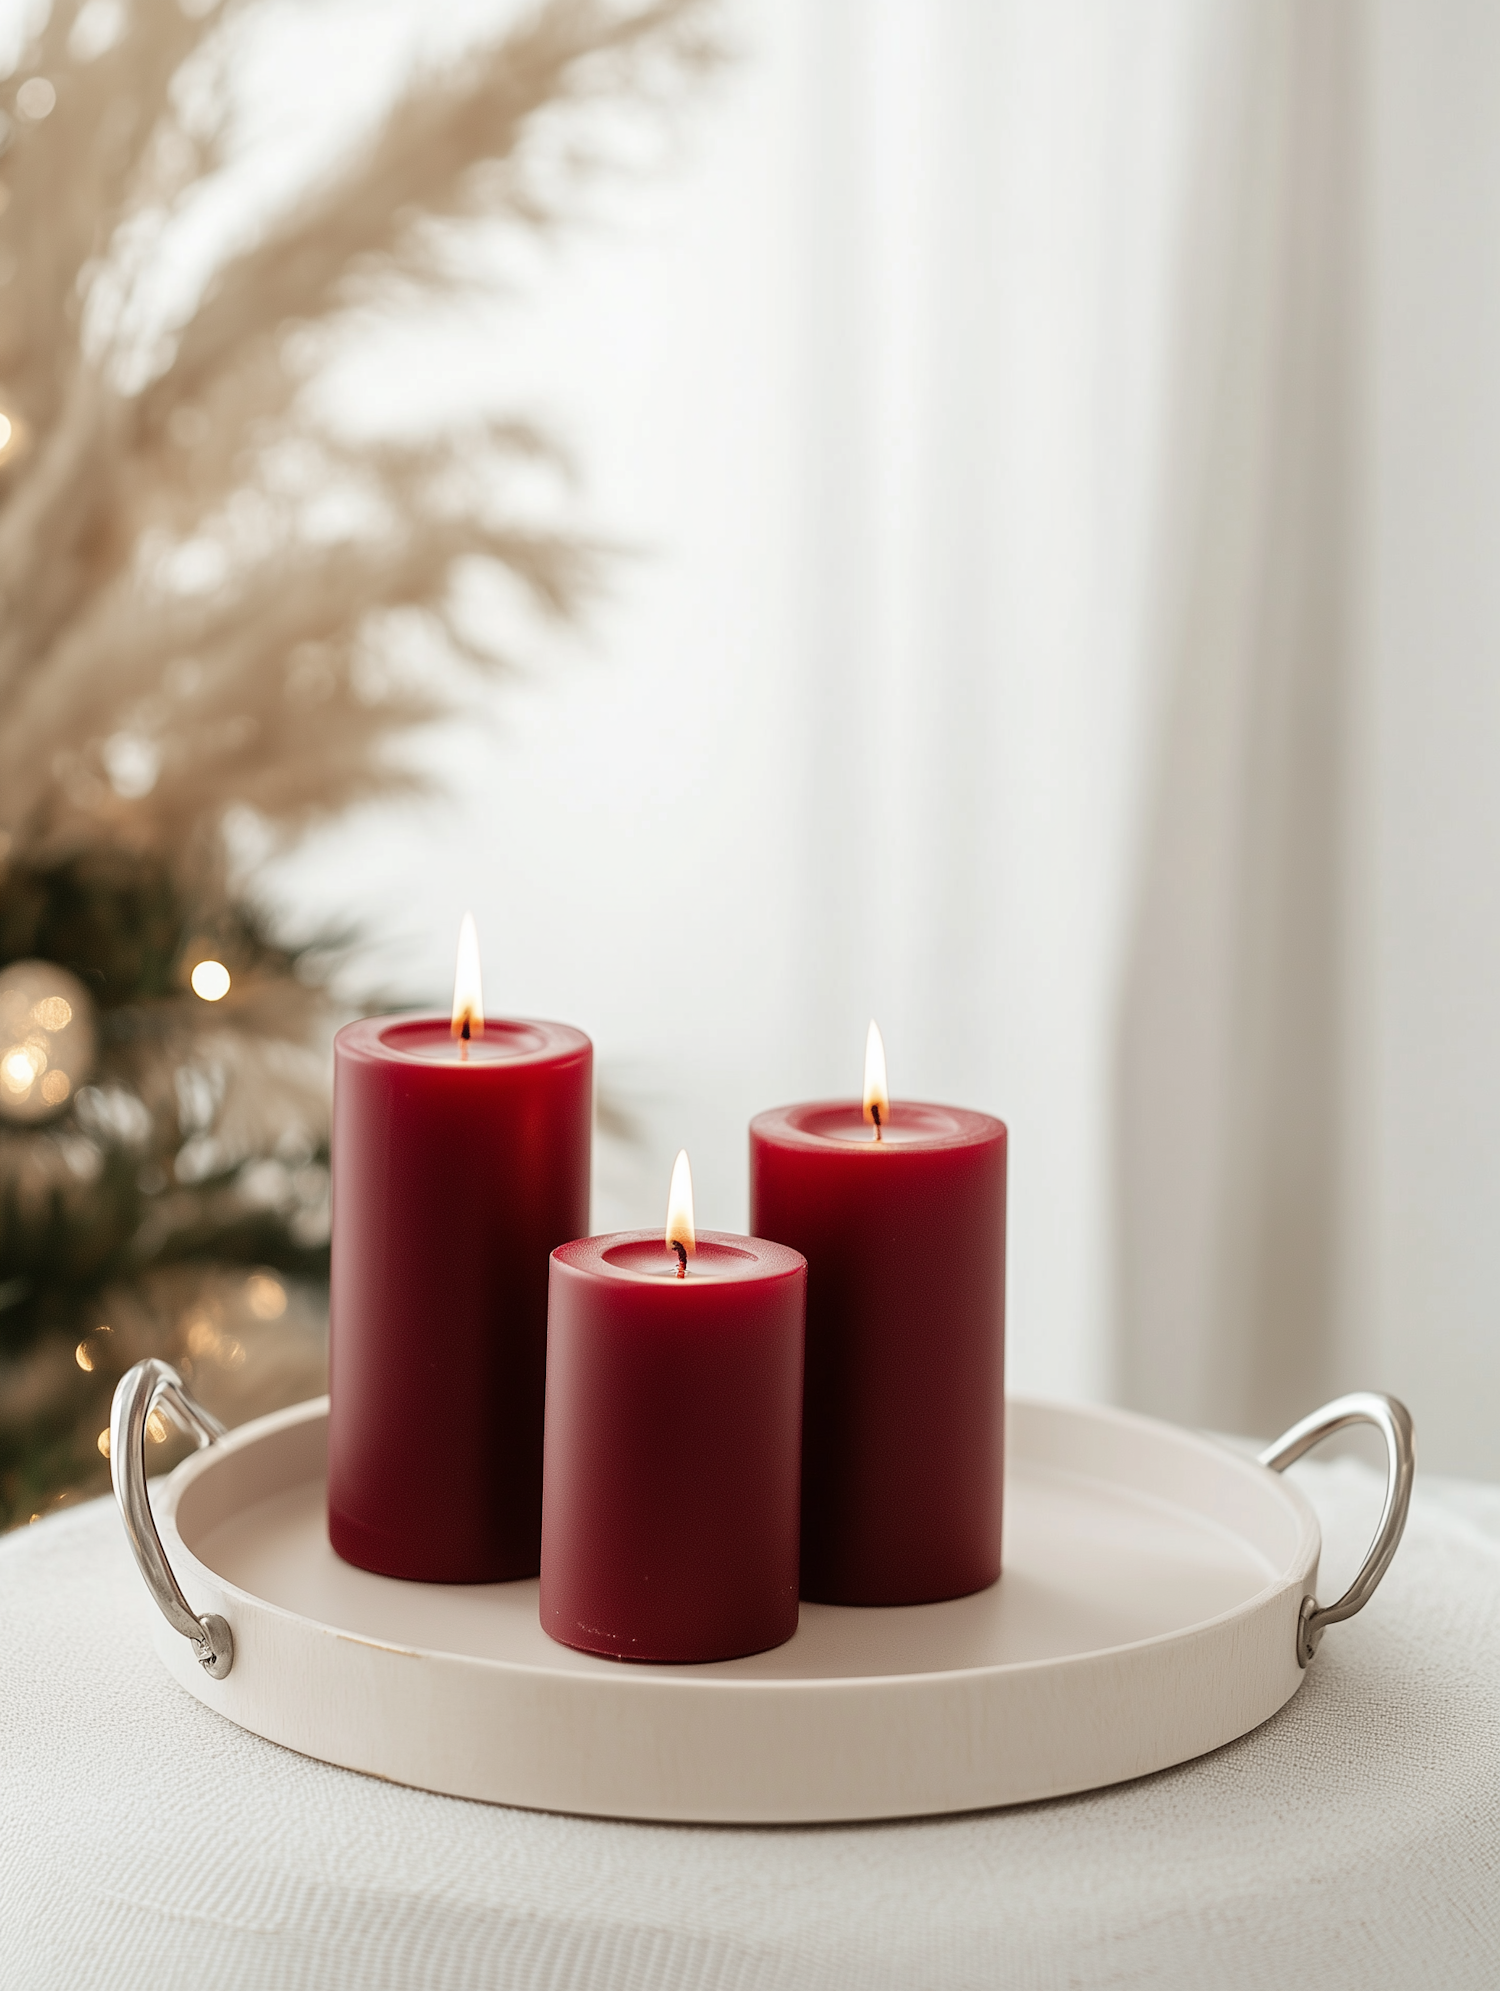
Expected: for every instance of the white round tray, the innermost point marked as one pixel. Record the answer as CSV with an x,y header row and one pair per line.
x,y
1151,1608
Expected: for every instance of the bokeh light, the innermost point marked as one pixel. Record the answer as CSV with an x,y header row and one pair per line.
x,y
211,981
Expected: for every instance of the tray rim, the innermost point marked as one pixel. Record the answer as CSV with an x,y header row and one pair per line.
x,y
757,1751
169,1489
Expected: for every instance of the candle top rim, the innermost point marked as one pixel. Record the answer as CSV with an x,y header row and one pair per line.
x,y
735,1259
547,1042
949,1127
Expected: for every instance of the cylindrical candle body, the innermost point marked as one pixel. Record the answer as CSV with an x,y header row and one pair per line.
x,y
674,1420
452,1182
904,1409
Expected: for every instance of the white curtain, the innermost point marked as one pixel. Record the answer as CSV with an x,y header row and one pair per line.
x,y
1057,438
1239,986
1307,1065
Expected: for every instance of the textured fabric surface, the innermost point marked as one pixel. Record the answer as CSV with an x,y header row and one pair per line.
x,y
1354,1840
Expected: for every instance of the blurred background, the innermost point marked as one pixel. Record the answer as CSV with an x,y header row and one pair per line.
x,y
977,512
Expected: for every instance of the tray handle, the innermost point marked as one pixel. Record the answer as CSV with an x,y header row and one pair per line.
x,y
1392,1420
137,1394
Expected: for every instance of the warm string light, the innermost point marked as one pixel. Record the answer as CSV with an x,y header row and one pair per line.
x,y
83,1354
468,993
266,1296
46,1040
205,1340
211,980
156,1431
21,1066
12,435
877,1091
680,1234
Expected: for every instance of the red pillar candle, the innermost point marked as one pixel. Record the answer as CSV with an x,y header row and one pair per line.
x,y
674,1418
457,1165
904,1410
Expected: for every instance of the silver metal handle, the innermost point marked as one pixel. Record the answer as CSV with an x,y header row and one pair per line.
x,y
1393,1421
139,1392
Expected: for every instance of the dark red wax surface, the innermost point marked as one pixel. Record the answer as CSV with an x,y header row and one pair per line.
x,y
452,1182
904,1407
674,1422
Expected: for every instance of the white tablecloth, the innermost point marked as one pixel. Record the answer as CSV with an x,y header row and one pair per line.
x,y
1352,1841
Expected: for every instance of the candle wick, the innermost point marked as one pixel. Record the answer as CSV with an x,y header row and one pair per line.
x,y
681,1250
875,1116
463,1043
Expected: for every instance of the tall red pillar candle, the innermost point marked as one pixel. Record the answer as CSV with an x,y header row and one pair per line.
x,y
904,1410
674,1418
457,1166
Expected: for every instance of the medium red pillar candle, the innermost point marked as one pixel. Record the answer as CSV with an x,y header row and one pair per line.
x,y
456,1169
904,1408
674,1421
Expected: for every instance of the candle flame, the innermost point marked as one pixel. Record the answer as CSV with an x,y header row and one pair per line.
x,y
877,1092
680,1237
468,997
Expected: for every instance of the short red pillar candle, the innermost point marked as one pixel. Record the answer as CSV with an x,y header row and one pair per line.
x,y
456,1169
674,1419
904,1407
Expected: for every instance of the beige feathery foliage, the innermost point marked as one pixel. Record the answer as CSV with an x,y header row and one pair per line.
x,y
168,577
209,599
